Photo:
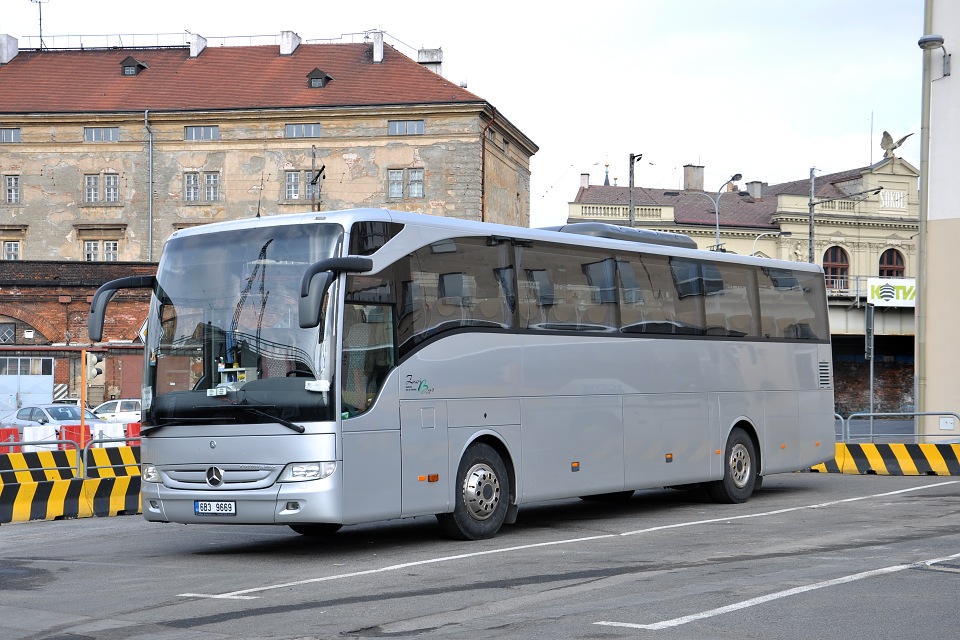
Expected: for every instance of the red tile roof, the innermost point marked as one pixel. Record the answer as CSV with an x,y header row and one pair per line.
x,y
257,77
694,208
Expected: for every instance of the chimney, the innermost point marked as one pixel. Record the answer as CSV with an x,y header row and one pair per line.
x,y
378,46
692,177
8,48
584,180
197,44
432,59
289,41
755,189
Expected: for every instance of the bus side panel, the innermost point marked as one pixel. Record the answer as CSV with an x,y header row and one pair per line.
x,y
572,446
660,425
817,431
424,449
779,436
371,466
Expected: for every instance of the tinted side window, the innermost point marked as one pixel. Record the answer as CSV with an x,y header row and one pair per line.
x,y
792,305
563,288
453,283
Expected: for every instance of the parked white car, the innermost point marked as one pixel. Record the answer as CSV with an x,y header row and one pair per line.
x,y
123,410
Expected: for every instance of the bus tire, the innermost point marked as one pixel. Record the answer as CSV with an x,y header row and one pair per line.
x,y
482,496
316,530
739,470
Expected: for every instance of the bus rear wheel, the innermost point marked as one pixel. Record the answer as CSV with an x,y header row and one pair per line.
x,y
482,496
316,530
739,470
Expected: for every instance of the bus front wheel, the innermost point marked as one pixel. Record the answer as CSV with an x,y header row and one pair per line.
x,y
739,470
482,496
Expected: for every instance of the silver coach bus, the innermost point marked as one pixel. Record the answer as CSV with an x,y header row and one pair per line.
x,y
322,369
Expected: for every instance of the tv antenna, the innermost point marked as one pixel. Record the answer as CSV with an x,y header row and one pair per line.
x,y
40,4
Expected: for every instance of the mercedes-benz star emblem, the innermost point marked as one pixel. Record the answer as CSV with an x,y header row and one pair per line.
x,y
214,476
213,444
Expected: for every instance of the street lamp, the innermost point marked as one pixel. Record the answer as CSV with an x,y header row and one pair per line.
x,y
780,234
933,42
716,205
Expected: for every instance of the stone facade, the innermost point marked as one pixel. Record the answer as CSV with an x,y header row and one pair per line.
x,y
47,304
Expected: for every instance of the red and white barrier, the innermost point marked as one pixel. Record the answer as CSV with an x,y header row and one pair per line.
x,y
6,436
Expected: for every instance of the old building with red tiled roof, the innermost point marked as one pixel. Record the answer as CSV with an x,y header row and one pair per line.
x,y
104,152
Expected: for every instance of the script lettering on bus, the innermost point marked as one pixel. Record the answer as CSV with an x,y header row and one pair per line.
x,y
419,385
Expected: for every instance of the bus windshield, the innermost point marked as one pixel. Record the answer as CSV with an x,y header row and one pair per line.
x,y
224,342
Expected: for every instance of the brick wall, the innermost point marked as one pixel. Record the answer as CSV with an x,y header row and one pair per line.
x,y
52,298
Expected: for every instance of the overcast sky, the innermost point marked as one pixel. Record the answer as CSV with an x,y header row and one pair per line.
x,y
766,88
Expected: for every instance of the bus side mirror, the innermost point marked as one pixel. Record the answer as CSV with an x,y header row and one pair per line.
x,y
318,278
105,293
309,305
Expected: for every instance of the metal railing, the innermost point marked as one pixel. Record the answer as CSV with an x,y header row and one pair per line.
x,y
894,435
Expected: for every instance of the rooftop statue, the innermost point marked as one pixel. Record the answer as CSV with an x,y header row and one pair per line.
x,y
888,145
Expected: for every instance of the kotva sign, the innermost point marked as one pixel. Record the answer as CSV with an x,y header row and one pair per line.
x,y
892,292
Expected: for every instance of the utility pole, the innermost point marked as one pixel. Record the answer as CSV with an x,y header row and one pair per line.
x,y
634,157
811,205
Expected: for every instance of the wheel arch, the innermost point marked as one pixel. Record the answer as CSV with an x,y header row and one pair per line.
x,y
499,445
748,427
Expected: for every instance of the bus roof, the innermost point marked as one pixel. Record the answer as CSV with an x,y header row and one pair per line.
x,y
597,235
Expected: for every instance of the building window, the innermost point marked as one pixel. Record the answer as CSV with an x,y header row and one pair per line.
x,y
11,250
101,188
91,250
891,264
91,188
395,183
416,183
9,135
406,127
405,183
94,249
293,185
836,267
302,130
12,189
211,187
8,332
300,185
111,187
101,134
202,133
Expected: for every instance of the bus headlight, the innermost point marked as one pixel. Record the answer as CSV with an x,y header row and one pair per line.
x,y
149,473
301,471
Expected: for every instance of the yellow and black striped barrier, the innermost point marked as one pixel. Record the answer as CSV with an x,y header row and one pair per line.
x,y
43,485
894,459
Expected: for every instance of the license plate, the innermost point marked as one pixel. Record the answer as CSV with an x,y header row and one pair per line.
x,y
214,508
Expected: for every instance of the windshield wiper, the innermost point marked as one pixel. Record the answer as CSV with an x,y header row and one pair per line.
x,y
293,426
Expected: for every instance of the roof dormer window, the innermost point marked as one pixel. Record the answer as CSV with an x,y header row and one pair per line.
x,y
131,66
317,79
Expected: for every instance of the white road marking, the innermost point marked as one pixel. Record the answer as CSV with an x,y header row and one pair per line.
x,y
242,594
752,602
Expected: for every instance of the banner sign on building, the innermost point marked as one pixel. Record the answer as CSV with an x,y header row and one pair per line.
x,y
892,292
